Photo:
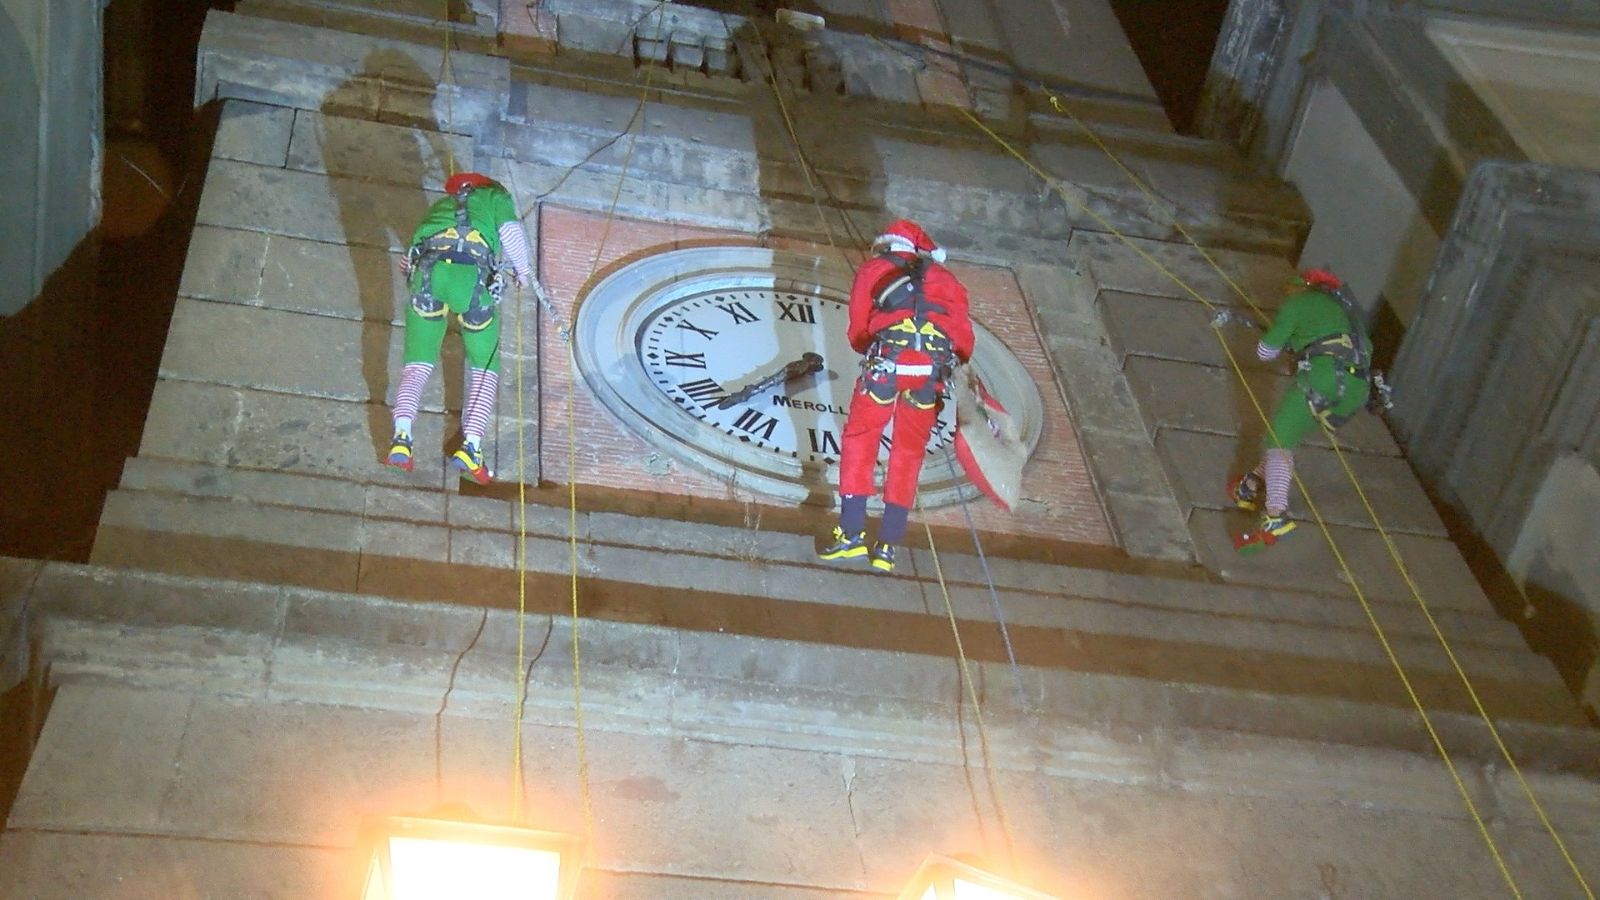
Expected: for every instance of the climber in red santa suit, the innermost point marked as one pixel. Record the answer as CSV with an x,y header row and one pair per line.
x,y
909,320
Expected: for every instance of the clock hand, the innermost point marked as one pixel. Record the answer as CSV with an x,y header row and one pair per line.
x,y
807,364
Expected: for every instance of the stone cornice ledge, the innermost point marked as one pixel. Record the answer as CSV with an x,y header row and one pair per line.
x,y
269,644
306,67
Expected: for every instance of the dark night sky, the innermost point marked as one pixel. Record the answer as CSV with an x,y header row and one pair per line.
x,y
1173,40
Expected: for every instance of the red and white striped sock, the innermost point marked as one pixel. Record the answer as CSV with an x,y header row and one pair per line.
x,y
1279,471
482,386
413,378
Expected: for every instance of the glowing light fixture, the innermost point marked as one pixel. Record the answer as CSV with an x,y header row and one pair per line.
x,y
943,878
431,859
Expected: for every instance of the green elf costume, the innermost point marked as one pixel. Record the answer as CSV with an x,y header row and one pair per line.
x,y
1333,381
457,264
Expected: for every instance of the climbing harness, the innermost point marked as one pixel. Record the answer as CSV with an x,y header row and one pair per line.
x,y
913,347
1350,352
459,244
1333,546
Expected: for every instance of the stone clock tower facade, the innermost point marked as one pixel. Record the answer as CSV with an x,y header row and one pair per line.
x,y
277,641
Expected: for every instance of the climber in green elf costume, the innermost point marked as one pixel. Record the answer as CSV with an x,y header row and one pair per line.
x,y
1318,322
457,264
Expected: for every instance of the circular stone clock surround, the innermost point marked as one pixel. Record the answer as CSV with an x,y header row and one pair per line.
x,y
662,340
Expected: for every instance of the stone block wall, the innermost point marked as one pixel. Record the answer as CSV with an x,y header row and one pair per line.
x,y
178,757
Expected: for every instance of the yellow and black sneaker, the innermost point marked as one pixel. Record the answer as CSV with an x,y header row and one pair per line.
x,y
1270,530
845,546
1246,491
883,557
469,460
400,452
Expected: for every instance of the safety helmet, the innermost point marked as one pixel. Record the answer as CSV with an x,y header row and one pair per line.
x,y
906,236
1322,280
462,180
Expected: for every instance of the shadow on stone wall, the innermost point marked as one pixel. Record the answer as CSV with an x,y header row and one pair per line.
x,y
364,96
834,142
1555,626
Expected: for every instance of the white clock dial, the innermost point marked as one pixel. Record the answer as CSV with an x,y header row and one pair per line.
x,y
707,351
663,341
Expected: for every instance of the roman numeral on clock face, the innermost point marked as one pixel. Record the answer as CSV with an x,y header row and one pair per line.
x,y
686,360
824,441
705,392
753,422
739,311
706,333
803,313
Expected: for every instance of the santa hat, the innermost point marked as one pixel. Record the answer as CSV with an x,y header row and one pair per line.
x,y
1322,280
455,183
906,236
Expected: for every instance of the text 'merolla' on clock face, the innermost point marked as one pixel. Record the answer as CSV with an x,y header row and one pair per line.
x,y
703,348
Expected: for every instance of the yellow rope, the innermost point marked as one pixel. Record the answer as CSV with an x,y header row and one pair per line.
x,y
572,485
1388,542
448,73
1055,103
522,574
955,629
977,707
794,141
1316,513
1416,593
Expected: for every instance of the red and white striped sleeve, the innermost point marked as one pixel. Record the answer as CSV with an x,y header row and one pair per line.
x,y
514,240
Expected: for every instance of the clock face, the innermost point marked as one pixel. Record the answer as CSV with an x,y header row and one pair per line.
x,y
736,360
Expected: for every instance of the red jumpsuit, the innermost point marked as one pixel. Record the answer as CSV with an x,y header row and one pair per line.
x,y
910,345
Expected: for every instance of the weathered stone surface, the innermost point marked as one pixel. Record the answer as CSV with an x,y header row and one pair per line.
x,y
407,503
223,264
143,473
654,789
1202,463
368,762
1150,527
332,438
16,578
549,554
312,206
1434,563
649,886
1125,464
1099,395
293,65
565,127
405,540
1135,265
150,599
679,203
246,521
1207,398
334,279
1063,299
958,804
1173,329
253,132
85,749
191,421
63,865
271,350
373,151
